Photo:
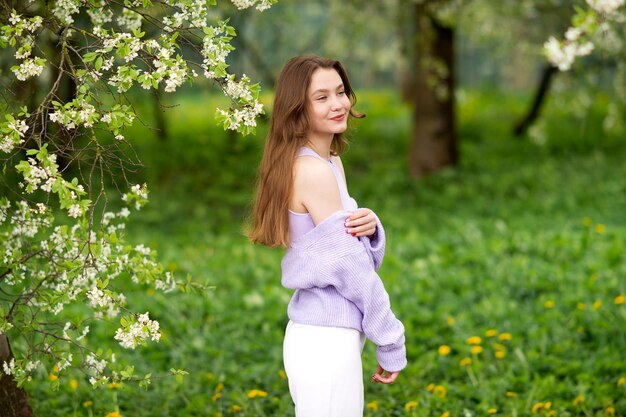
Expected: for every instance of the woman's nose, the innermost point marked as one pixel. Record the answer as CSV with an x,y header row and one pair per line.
x,y
336,103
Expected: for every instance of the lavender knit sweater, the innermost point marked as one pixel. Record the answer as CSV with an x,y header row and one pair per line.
x,y
334,275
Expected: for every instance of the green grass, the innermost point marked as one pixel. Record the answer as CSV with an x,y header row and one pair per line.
x,y
521,238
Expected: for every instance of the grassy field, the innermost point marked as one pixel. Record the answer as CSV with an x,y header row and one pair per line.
x,y
508,271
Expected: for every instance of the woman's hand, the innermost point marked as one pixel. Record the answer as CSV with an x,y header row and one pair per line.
x,y
361,222
385,377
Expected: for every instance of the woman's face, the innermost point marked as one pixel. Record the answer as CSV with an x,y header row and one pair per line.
x,y
329,105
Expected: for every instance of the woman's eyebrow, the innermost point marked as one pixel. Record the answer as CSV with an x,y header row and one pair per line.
x,y
325,90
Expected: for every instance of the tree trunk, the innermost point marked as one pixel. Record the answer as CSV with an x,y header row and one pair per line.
x,y
434,144
13,400
544,85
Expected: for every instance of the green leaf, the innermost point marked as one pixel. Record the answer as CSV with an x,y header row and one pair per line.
x,y
90,56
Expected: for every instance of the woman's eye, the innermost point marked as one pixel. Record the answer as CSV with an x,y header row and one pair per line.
x,y
341,93
322,98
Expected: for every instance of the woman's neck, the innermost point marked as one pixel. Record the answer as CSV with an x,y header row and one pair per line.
x,y
321,146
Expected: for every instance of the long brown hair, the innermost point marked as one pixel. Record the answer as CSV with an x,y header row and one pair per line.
x,y
289,127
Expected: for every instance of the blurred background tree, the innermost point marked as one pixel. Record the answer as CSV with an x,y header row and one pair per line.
x,y
431,50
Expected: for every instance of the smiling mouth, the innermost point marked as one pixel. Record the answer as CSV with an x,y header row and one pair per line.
x,y
338,118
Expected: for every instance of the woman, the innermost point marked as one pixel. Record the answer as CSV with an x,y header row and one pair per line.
x,y
333,248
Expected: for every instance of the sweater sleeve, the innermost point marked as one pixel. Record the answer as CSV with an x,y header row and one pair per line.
x,y
365,289
375,244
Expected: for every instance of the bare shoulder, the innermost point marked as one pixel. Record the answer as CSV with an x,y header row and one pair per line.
x,y
315,189
311,171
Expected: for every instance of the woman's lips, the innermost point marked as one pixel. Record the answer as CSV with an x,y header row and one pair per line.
x,y
338,118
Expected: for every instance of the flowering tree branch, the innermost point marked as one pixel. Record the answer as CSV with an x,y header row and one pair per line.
x,y
101,48
602,20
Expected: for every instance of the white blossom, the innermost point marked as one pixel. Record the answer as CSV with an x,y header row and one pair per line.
x,y
29,68
245,4
100,15
142,249
239,90
573,34
91,361
129,20
14,18
9,368
83,334
75,211
65,9
98,298
558,55
606,6
138,332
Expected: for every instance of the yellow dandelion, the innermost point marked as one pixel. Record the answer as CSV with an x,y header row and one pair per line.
x,y
476,350
445,414
430,387
282,374
600,228
492,411
73,384
549,304
499,346
505,337
114,385
587,221
551,413
256,393
597,305
500,354
621,381
219,387
444,350
451,321
537,408
440,390
474,340
465,362
235,408
620,299
114,414
217,414
581,306
216,396
372,405
609,411
53,377
511,394
55,369
87,404
547,405
410,406
210,376
491,332
579,400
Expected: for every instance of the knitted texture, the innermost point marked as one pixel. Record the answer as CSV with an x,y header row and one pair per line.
x,y
336,282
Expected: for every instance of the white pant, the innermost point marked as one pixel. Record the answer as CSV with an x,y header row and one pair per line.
x,y
323,365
